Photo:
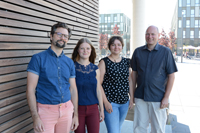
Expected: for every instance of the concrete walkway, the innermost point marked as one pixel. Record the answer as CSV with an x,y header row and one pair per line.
x,y
127,127
185,98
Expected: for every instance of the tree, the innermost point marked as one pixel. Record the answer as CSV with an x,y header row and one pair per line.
x,y
115,30
172,39
103,41
164,40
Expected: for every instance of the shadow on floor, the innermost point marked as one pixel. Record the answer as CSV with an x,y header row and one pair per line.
x,y
176,126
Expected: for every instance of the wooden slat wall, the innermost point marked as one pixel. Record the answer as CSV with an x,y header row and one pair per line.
x,y
24,30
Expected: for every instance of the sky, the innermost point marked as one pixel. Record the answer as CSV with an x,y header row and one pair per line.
x,y
158,12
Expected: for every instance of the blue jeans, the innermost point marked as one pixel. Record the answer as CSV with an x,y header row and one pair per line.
x,y
115,119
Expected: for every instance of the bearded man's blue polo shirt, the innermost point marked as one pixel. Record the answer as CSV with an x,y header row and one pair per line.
x,y
153,68
54,73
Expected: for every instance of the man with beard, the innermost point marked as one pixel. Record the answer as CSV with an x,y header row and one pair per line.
x,y
51,88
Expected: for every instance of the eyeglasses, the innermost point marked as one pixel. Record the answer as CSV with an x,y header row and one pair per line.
x,y
60,35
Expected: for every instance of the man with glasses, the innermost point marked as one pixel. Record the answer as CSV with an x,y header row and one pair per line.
x,y
51,88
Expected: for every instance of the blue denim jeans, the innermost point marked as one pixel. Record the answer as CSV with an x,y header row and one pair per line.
x,y
115,119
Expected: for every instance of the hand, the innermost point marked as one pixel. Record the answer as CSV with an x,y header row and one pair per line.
x,y
164,103
38,125
101,116
130,104
75,123
108,107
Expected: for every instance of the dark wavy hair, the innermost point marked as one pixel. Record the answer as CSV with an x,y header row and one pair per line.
x,y
60,25
113,38
75,54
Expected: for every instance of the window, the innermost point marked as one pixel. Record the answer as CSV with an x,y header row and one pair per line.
x,y
199,34
108,19
184,13
188,2
112,26
121,18
196,23
187,23
199,23
179,23
196,2
115,18
183,34
199,12
105,27
121,27
192,13
180,3
99,19
102,28
191,34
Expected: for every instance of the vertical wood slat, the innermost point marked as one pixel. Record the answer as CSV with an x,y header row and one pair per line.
x,y
24,31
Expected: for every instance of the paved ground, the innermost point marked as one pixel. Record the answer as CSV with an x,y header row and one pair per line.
x,y
185,98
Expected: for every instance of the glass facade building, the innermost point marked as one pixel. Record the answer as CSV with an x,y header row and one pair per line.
x,y
108,21
186,24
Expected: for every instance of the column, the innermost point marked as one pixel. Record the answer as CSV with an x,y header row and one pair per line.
x,y
138,24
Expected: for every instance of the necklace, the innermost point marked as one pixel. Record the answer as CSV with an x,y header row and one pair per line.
x,y
115,60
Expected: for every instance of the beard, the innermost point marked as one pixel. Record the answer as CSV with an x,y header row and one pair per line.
x,y
60,45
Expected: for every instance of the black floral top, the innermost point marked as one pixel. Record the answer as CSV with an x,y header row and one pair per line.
x,y
115,82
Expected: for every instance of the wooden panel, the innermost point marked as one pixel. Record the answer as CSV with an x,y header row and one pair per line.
x,y
13,76
55,7
40,8
14,38
92,35
12,92
12,84
18,126
25,18
24,30
14,114
95,3
80,7
12,99
17,31
26,128
15,46
6,54
12,107
64,5
31,131
14,121
89,6
14,61
14,23
11,69
34,13
84,30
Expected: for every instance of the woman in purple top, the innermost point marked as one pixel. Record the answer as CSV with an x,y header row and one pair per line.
x,y
88,85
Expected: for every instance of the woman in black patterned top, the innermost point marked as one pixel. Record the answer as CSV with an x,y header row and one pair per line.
x,y
117,85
